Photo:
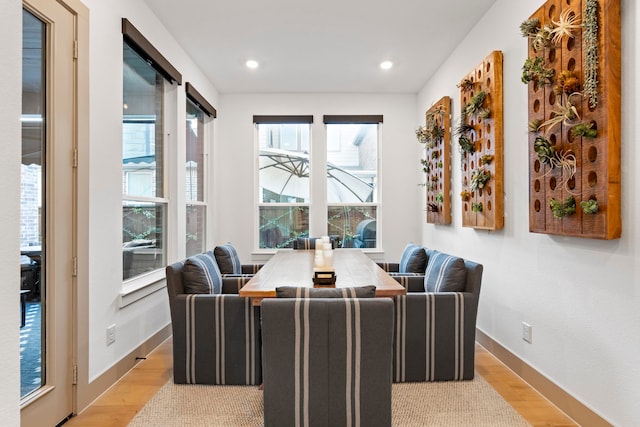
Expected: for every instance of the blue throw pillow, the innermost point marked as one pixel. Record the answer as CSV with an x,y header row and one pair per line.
x,y
445,273
201,275
227,259
413,260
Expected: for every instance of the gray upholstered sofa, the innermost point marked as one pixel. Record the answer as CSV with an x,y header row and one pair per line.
x,y
327,361
434,334
216,337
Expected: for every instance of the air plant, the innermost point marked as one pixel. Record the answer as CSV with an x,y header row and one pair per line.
x,y
476,207
590,206
590,48
465,195
530,27
432,207
565,113
466,85
564,208
543,37
434,178
567,23
426,166
435,154
534,125
486,159
474,106
466,145
563,159
439,164
479,178
584,129
422,135
567,82
534,70
439,198
484,113
545,151
464,128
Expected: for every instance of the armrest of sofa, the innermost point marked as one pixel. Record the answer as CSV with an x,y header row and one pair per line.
x,y
412,282
389,267
231,283
250,268
216,340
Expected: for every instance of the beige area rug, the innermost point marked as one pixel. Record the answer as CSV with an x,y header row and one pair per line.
x,y
467,403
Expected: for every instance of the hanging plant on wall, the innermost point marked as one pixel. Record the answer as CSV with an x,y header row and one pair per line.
x,y
479,178
564,208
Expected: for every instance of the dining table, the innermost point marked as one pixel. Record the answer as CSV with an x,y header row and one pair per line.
x,y
351,268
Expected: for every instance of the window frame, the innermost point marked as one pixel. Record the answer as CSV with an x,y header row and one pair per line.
x,y
258,203
361,120
194,98
141,46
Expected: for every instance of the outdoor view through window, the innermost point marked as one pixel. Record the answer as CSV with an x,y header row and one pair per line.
x,y
285,170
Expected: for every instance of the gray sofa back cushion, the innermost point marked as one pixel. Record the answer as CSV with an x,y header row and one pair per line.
x,y
444,273
227,258
413,260
200,275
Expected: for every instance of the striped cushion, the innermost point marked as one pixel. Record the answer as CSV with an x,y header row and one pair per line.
x,y
227,258
414,259
201,275
300,292
445,273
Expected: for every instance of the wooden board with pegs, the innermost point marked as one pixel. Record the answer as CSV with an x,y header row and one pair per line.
x,y
480,141
565,169
437,161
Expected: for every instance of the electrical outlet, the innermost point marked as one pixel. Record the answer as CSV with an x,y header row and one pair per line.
x,y
111,334
527,331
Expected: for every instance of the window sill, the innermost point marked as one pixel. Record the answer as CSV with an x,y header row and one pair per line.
x,y
139,287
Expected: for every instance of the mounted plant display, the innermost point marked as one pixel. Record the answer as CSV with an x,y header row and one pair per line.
x,y
573,75
436,137
560,209
589,206
479,136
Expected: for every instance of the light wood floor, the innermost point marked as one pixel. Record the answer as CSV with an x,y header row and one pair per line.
x,y
121,402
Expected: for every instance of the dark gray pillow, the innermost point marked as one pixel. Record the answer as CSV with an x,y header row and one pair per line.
x,y
413,260
201,275
300,292
227,259
445,273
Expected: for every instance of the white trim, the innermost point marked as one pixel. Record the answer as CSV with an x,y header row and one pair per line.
x,y
141,286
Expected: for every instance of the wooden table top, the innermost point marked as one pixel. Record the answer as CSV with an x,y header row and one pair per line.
x,y
295,268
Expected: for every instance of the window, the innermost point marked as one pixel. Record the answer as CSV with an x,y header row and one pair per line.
x,y
285,172
146,74
198,109
352,180
283,179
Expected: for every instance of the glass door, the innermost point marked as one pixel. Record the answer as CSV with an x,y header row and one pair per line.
x,y
46,211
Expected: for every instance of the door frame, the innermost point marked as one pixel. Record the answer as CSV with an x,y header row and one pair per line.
x,y
77,330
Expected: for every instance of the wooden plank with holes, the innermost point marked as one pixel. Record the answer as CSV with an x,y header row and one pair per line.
x,y
596,168
438,158
483,208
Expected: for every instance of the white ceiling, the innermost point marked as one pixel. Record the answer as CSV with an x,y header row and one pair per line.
x,y
319,46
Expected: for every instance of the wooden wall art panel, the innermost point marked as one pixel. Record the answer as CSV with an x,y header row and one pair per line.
x,y
436,136
573,77
480,136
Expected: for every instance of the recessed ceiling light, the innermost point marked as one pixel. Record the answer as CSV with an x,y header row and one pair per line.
x,y
385,65
252,64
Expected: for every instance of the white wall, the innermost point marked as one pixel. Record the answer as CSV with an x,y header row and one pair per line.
x,y
10,108
137,322
580,295
234,161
